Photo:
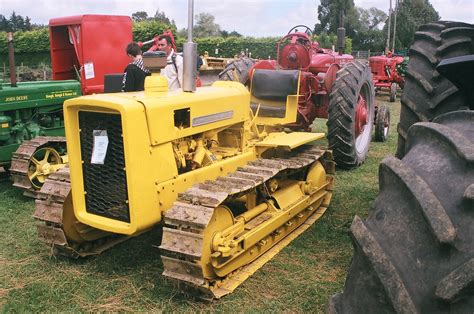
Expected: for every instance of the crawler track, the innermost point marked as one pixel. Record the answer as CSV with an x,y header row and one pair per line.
x,y
22,157
192,212
57,225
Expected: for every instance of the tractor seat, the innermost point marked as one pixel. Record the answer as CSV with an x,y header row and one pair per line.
x,y
270,89
113,83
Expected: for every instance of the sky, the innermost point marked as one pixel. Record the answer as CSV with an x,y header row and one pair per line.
x,y
257,18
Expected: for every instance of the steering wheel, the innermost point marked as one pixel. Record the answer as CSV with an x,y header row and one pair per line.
x,y
307,30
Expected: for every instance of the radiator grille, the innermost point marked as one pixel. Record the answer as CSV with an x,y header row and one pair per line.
x,y
105,185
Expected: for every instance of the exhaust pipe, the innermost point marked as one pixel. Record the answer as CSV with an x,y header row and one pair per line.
x,y
11,59
341,34
190,55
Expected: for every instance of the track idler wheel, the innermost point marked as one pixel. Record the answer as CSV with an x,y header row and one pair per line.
x,y
59,228
35,160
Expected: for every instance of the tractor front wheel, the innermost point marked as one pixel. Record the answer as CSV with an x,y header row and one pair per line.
x,y
351,114
393,92
382,124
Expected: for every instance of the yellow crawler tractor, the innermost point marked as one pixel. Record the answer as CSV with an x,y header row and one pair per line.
x,y
230,187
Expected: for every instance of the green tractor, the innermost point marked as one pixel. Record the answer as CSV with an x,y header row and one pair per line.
x,y
32,143
32,129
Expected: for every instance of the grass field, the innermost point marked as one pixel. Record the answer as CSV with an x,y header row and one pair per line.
x,y
128,277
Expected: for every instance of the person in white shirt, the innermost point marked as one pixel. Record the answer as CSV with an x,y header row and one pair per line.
x,y
174,68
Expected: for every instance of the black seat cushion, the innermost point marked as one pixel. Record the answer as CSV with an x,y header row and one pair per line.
x,y
274,85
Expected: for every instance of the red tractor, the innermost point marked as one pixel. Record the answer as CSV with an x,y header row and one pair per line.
x,y
329,85
385,73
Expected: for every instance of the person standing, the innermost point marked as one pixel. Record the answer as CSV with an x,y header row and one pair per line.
x,y
174,68
135,73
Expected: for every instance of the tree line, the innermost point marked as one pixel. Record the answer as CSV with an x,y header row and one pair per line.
x,y
367,28
15,23
205,25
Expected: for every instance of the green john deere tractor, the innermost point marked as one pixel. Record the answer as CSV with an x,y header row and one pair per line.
x,y
31,116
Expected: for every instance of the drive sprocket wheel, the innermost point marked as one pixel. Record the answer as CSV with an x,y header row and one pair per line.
x,y
351,114
237,70
426,93
415,251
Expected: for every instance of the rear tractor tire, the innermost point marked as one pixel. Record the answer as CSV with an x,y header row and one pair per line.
x,y
393,92
237,70
351,114
415,251
426,93
382,124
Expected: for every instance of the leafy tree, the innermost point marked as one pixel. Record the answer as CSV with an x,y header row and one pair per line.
x,y
226,34
28,26
4,23
371,18
140,16
183,33
15,23
162,18
410,15
329,16
368,35
205,26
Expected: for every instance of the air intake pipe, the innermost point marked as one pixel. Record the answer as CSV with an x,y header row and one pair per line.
x,y
341,34
11,59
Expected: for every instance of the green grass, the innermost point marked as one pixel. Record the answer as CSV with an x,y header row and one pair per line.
x,y
128,277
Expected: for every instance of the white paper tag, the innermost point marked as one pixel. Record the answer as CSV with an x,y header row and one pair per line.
x,y
89,70
99,150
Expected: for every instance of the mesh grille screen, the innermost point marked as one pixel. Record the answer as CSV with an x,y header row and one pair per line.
x,y
105,185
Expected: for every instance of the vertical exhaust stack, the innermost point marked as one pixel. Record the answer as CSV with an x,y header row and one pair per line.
x,y
341,34
387,45
11,59
190,54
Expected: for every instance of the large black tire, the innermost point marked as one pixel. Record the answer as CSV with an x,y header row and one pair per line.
x,y
351,81
237,70
426,93
415,251
382,124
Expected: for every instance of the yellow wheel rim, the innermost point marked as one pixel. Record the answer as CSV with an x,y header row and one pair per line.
x,y
43,162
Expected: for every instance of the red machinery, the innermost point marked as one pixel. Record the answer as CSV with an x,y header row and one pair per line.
x,y
332,86
385,74
87,47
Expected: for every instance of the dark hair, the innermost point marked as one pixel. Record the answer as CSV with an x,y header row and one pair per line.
x,y
133,49
168,39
